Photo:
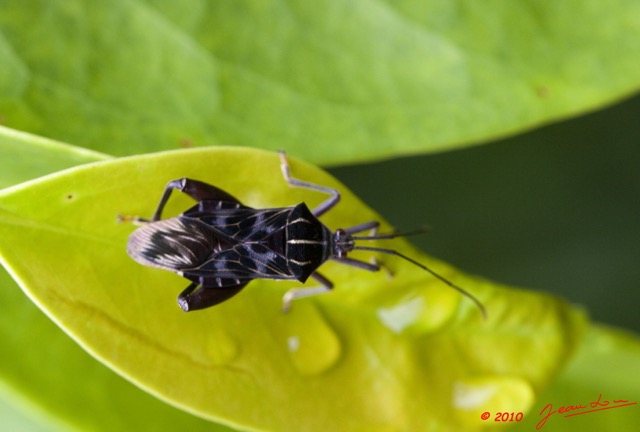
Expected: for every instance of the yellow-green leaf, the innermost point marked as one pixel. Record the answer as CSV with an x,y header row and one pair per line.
x,y
392,350
42,371
47,374
602,375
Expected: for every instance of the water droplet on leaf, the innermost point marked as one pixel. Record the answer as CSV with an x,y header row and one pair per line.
x,y
414,313
490,393
402,315
310,341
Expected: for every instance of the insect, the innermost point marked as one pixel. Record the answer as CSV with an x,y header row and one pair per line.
x,y
221,245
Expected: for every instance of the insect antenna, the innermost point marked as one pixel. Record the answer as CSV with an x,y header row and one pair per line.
x,y
411,260
394,234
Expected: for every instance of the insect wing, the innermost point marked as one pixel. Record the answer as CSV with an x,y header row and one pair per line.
x,y
210,208
245,261
245,224
175,244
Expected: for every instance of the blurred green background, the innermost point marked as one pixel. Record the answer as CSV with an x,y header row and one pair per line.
x,y
556,209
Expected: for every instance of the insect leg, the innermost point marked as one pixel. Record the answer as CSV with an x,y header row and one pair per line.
x,y
194,298
197,190
371,225
296,293
323,207
136,220
374,266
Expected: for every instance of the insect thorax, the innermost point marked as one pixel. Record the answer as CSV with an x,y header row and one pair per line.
x,y
308,242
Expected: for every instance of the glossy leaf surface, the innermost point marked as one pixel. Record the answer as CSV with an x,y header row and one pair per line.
x,y
601,376
73,390
385,351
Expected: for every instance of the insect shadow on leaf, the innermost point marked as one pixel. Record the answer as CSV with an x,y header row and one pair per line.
x,y
221,245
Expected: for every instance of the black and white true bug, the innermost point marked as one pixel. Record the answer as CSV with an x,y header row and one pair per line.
x,y
221,245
